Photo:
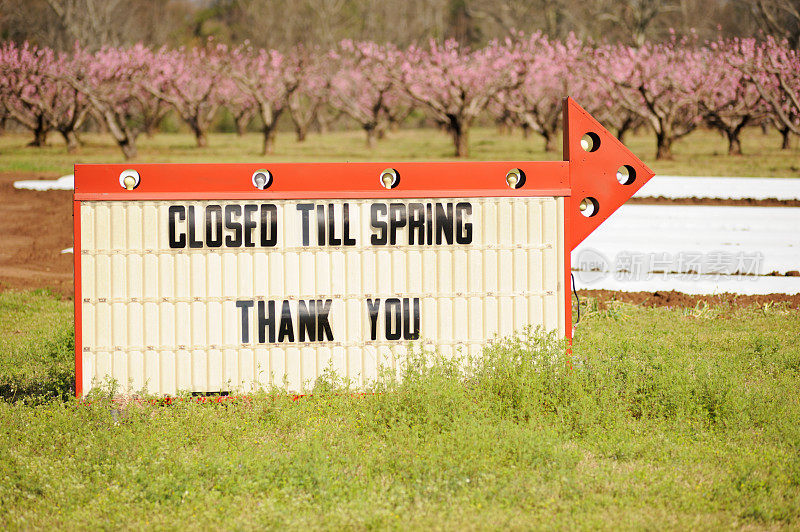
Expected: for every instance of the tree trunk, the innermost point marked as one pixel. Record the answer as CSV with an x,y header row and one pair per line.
x,y
663,147
734,142
323,123
241,122
39,133
623,129
786,138
301,132
200,136
370,131
526,131
549,141
128,148
117,124
268,147
71,139
150,125
460,139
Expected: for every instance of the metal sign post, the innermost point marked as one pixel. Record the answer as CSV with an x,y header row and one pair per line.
x,y
232,277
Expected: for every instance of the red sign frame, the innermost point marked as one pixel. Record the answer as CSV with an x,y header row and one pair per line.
x,y
592,158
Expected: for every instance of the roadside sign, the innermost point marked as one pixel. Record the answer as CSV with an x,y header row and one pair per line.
x,y
233,277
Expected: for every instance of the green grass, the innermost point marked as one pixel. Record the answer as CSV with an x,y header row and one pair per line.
x,y
36,340
701,153
670,418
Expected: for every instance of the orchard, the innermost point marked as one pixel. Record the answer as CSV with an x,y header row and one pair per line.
x,y
670,87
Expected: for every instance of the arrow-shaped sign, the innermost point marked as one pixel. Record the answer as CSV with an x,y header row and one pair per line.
x,y
603,173
178,264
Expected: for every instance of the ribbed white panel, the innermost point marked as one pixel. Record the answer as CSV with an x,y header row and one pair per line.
x,y
165,319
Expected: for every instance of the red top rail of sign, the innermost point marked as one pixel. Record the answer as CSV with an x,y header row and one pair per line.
x,y
597,171
320,180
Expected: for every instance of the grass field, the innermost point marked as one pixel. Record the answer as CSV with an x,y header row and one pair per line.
x,y
671,418
701,153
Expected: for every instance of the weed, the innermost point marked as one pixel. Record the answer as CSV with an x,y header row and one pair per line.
x,y
666,421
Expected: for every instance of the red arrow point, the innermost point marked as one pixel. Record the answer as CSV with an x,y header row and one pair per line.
x,y
603,173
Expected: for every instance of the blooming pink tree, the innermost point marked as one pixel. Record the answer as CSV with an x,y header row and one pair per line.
x,y
455,84
659,82
37,94
21,76
549,74
64,107
600,103
730,103
269,79
106,79
599,98
774,70
240,104
314,81
191,82
153,110
363,86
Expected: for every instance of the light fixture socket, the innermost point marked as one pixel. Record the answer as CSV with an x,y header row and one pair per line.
x,y
262,179
389,178
129,179
515,178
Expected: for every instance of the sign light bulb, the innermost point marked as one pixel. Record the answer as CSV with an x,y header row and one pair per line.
x,y
515,178
590,142
262,179
389,178
129,179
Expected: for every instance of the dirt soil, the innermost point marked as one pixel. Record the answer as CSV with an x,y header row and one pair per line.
x,y
744,202
38,225
680,300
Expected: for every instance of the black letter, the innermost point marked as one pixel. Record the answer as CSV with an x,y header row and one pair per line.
x,y
306,320
323,327
416,222
287,327
444,223
193,242
236,227
410,333
391,304
332,240
397,218
269,212
213,226
372,309
180,211
346,232
304,209
249,225
320,225
374,209
246,306
463,227
429,223
264,322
